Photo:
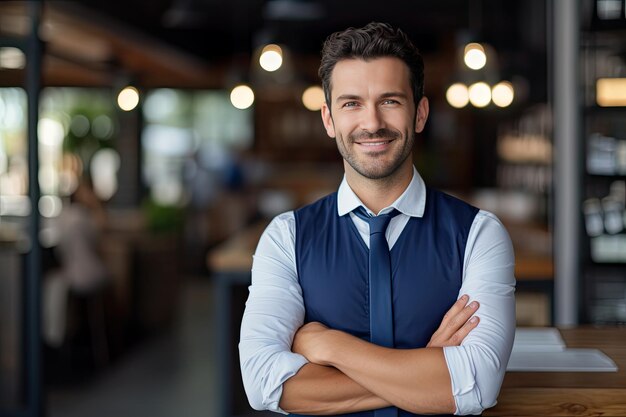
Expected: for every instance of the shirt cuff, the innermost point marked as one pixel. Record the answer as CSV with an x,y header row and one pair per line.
x,y
286,365
463,377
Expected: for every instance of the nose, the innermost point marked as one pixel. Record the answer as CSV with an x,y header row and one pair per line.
x,y
372,119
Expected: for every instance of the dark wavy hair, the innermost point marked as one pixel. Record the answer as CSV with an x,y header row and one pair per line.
x,y
375,40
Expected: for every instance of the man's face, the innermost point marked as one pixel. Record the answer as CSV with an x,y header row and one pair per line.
x,y
373,116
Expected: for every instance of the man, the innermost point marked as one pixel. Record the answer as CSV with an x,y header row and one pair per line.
x,y
323,333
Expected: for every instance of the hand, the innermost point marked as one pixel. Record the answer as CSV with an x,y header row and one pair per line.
x,y
310,341
456,324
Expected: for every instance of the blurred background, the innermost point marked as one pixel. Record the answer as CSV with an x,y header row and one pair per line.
x,y
145,144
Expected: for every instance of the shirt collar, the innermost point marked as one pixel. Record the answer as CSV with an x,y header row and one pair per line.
x,y
411,202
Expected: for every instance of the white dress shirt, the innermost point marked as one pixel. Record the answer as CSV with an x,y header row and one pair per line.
x,y
275,307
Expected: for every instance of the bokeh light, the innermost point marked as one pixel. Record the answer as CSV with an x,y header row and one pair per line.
x,y
611,92
242,97
128,98
313,98
12,58
79,125
50,132
502,94
457,95
480,94
271,57
104,166
474,56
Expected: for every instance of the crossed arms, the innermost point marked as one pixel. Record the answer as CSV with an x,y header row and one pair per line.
x,y
314,370
347,374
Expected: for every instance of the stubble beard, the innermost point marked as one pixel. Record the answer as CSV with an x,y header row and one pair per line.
x,y
376,168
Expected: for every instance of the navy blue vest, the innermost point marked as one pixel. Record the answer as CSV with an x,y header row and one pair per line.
x,y
426,262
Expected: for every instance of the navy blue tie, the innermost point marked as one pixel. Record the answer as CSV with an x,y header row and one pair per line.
x,y
381,303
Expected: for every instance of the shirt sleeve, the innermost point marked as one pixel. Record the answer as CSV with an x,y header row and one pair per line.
x,y
478,365
274,312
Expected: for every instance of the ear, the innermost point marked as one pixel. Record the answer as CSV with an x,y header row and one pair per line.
x,y
327,119
421,114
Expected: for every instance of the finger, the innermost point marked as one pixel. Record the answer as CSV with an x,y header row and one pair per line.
x,y
443,332
454,310
461,318
459,313
462,333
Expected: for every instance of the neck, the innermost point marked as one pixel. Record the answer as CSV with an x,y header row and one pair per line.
x,y
377,194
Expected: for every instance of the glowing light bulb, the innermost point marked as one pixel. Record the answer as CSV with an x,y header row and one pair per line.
x,y
457,95
480,94
271,57
313,98
502,94
474,56
128,98
242,97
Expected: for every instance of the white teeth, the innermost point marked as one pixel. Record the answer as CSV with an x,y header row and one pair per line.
x,y
373,144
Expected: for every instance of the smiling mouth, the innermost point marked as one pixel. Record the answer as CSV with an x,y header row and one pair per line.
x,y
380,143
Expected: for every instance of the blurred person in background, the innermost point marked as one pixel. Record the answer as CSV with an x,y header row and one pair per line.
x,y
364,301
81,269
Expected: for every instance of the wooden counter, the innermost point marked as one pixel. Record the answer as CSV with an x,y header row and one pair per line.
x,y
570,393
235,255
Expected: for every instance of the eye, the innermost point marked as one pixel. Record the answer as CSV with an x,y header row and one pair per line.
x,y
390,101
350,104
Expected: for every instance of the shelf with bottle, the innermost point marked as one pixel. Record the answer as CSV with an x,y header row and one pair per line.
x,y
608,249
603,74
605,224
606,141
603,111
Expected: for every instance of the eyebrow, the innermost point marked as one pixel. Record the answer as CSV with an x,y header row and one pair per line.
x,y
394,94
347,97
384,95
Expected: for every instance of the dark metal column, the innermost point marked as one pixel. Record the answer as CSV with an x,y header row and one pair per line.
x,y
33,365
567,160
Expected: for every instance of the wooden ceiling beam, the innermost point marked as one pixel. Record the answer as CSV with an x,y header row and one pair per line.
x,y
85,48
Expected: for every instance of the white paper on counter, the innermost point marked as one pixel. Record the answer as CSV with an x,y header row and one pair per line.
x,y
568,360
538,339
